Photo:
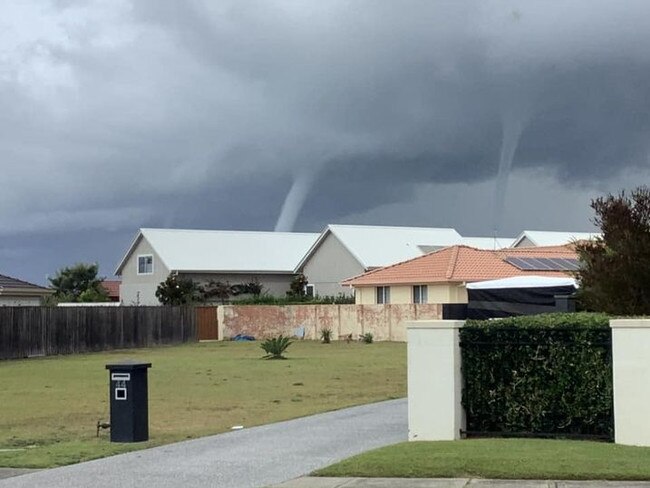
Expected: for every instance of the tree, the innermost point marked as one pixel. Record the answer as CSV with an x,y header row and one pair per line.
x,y
176,290
614,272
297,289
220,290
79,283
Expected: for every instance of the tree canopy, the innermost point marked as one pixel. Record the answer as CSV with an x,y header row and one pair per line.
x,y
79,283
615,269
176,290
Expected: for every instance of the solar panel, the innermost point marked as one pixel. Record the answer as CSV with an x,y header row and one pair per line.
x,y
570,264
544,264
520,263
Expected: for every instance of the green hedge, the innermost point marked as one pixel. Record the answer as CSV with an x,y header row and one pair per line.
x,y
538,375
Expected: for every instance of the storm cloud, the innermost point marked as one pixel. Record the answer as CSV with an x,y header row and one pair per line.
x,y
121,114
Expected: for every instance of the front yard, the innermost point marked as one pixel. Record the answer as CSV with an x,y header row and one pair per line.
x,y
49,407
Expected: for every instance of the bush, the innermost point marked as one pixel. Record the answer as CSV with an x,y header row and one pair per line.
x,y
326,336
275,347
545,374
367,338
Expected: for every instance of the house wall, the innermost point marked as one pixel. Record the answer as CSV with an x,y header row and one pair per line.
x,y
330,264
438,293
138,289
385,322
9,301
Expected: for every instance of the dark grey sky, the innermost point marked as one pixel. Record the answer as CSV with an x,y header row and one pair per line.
x,y
119,114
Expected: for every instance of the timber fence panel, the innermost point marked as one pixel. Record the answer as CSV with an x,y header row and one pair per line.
x,y
47,331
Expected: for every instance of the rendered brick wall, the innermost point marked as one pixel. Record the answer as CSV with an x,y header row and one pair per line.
x,y
385,322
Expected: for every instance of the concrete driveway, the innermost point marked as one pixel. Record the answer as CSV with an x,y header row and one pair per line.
x,y
259,456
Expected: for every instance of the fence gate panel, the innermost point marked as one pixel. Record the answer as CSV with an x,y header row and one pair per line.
x,y
207,324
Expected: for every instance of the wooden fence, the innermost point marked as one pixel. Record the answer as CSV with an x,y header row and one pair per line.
x,y
48,331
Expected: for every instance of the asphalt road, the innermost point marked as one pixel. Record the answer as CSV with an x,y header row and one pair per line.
x,y
259,456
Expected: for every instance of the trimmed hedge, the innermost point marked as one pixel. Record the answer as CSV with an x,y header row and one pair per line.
x,y
538,375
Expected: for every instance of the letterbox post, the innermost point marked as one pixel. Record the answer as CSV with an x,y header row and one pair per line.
x,y
129,401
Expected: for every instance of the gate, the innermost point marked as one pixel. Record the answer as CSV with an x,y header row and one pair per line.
x,y
207,323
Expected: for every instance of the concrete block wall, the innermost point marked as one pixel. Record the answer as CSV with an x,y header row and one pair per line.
x,y
631,375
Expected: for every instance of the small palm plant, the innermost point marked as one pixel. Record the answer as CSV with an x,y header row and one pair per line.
x,y
275,347
368,338
326,336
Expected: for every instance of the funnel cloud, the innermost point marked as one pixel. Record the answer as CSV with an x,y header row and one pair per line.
x,y
120,114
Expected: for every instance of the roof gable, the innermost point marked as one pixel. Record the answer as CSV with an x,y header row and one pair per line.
x,y
225,251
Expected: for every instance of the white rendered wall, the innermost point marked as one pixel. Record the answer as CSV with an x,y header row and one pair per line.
x,y
434,380
631,364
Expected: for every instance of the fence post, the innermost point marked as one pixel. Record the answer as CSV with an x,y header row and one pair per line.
x,y
631,377
434,380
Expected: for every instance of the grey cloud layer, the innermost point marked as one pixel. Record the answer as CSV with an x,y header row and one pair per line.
x,y
159,105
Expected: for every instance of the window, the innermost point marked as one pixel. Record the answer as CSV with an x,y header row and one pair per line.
x,y
310,291
420,294
383,294
145,264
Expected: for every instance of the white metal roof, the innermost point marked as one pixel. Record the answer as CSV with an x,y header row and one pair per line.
x,y
376,246
488,243
522,282
226,251
553,238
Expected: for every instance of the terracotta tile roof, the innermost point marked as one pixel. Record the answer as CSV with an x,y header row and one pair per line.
x,y
112,287
461,264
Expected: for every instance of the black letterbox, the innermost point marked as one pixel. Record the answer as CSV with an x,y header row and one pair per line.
x,y
129,401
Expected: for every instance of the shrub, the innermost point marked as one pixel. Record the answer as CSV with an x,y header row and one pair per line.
x,y
275,347
367,338
545,374
326,335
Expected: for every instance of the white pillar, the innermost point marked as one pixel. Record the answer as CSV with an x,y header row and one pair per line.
x,y
434,380
631,368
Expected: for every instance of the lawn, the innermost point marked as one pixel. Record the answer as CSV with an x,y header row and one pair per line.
x,y
49,407
500,458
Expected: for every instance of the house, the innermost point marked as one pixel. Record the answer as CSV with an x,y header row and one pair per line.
x,y
441,276
530,238
209,255
342,251
112,288
15,292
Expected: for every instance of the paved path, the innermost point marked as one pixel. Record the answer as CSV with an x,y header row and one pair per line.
x,y
452,483
259,456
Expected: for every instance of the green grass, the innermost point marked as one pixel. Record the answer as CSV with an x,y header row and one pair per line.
x,y
49,407
501,459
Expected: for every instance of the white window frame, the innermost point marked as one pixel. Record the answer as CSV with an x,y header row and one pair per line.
x,y
421,289
312,288
137,264
385,295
